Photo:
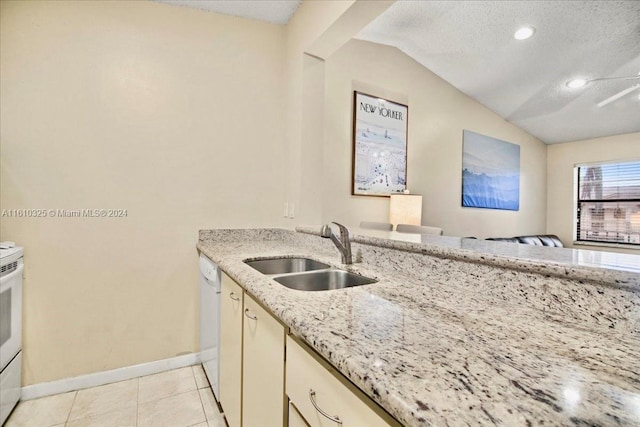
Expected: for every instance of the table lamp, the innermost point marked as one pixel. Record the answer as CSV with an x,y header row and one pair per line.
x,y
405,209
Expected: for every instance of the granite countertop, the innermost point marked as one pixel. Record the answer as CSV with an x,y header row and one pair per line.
x,y
440,340
619,269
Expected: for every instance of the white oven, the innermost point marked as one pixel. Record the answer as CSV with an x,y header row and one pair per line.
x,y
11,268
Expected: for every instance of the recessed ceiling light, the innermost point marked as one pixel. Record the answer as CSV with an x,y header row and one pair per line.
x,y
524,33
576,83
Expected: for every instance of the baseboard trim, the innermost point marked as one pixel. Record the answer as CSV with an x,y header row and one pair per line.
x,y
35,391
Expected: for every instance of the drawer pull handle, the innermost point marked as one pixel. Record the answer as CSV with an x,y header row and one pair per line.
x,y
233,296
312,398
246,313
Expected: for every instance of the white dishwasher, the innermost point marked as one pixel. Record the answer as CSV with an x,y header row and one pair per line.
x,y
210,322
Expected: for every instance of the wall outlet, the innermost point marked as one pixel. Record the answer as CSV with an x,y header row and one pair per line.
x,y
292,211
286,209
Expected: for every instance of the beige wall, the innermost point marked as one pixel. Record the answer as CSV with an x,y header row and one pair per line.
x,y
171,113
561,159
302,179
438,113
316,29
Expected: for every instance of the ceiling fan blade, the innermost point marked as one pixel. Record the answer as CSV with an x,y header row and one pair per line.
x,y
618,96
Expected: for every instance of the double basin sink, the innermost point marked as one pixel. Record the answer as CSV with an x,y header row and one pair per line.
x,y
305,274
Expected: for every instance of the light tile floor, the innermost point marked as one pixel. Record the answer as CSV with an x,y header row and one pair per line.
x,y
178,398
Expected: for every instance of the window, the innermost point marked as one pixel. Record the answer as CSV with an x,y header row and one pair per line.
x,y
608,208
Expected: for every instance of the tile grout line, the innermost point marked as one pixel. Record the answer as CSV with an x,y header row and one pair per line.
x,y
97,414
193,372
75,396
183,393
169,395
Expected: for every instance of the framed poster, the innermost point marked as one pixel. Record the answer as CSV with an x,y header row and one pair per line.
x,y
379,146
490,172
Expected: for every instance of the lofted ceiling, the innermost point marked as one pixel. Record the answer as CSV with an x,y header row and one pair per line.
x,y
470,44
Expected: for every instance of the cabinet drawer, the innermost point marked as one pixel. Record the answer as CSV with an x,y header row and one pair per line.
x,y
309,377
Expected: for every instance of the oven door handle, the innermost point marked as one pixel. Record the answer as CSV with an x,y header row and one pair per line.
x,y
5,281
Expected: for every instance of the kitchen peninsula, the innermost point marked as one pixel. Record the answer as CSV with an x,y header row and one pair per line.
x,y
457,333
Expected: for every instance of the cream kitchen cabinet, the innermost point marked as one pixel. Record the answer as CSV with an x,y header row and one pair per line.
x,y
251,361
253,392
323,396
231,314
263,402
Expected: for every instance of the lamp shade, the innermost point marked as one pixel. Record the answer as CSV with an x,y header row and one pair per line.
x,y
405,209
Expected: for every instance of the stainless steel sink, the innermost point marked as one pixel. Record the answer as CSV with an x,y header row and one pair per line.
x,y
323,280
286,265
306,274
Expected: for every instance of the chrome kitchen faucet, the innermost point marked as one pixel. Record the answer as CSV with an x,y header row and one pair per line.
x,y
343,243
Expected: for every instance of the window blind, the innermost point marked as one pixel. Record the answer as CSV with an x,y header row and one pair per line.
x,y
608,205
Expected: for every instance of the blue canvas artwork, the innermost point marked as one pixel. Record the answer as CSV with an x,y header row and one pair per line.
x,y
490,173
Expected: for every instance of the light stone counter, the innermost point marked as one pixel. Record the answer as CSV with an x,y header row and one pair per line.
x,y
619,269
439,340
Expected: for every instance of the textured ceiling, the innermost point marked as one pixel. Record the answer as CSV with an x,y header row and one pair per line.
x,y
470,44
274,11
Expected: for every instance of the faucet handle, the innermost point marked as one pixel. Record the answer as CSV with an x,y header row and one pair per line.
x,y
325,231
